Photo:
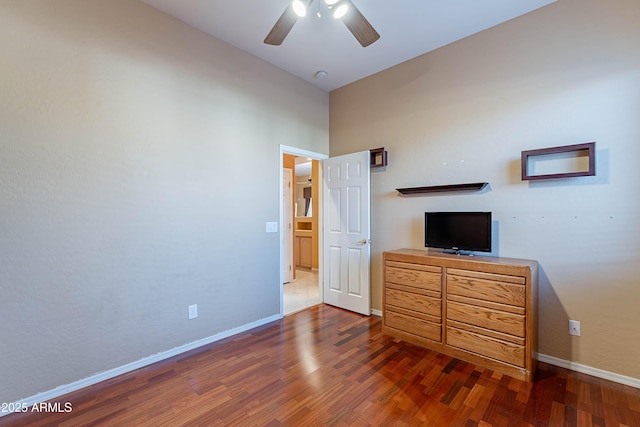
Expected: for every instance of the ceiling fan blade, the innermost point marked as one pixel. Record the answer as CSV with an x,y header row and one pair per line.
x,y
282,27
361,29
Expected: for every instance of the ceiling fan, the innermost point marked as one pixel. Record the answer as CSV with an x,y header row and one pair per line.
x,y
345,10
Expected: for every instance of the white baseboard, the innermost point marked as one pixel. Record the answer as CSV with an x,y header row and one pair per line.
x,y
376,312
584,369
112,373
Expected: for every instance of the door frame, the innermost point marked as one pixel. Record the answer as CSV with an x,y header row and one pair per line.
x,y
288,263
285,149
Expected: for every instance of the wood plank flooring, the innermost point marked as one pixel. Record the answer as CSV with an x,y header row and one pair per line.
x,y
325,366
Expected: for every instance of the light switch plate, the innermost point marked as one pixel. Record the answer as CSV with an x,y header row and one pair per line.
x,y
193,311
272,227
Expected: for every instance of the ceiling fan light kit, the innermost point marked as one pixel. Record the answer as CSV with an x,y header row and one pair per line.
x,y
341,9
357,24
299,8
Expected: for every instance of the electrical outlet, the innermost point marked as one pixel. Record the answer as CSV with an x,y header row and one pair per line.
x,y
574,328
193,311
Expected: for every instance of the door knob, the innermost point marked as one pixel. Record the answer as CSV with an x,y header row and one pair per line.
x,y
362,242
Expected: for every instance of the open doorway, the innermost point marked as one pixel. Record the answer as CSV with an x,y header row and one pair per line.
x,y
302,289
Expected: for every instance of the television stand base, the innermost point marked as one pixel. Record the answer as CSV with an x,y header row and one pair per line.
x,y
457,252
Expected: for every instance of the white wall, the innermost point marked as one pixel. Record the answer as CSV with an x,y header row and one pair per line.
x,y
125,137
565,74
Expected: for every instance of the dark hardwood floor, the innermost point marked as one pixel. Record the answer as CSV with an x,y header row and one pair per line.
x,y
325,366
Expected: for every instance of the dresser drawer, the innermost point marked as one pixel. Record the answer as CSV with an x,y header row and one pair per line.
x,y
487,290
415,275
508,323
413,301
485,346
413,325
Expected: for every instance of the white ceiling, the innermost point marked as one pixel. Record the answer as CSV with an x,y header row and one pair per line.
x,y
408,28
303,166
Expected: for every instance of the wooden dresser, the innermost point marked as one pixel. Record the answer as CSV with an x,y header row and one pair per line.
x,y
475,308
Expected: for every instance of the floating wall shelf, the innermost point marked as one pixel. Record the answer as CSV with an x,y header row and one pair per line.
x,y
476,186
378,157
585,151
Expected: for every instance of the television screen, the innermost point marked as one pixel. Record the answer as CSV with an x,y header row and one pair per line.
x,y
458,231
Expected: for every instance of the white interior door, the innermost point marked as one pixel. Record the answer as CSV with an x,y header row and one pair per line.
x,y
346,232
287,226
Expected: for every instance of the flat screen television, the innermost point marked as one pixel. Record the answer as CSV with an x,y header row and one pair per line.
x,y
457,232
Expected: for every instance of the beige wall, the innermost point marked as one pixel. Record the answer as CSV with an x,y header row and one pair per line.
x,y
122,132
565,74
